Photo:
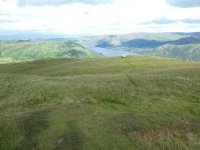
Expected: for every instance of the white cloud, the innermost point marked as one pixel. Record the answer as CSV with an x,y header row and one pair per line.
x,y
184,3
59,2
121,16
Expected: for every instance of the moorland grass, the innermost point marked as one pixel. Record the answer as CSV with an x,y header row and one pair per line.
x,y
106,103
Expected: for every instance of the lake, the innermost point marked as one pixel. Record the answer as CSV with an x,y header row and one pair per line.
x,y
110,52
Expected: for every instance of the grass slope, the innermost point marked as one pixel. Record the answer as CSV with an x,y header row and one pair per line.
x,y
185,52
108,104
30,50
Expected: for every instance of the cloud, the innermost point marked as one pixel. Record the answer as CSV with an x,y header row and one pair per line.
x,y
166,21
59,2
160,21
6,21
191,21
184,3
92,17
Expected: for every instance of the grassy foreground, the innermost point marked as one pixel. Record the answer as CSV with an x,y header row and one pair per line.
x,y
100,104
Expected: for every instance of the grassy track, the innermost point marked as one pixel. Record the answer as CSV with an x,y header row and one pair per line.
x,y
102,104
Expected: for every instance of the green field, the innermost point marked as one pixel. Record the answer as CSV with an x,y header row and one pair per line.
x,y
132,103
16,51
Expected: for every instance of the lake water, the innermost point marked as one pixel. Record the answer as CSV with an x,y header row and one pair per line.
x,y
110,52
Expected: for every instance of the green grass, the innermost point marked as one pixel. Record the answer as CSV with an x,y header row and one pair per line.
x,y
105,103
15,51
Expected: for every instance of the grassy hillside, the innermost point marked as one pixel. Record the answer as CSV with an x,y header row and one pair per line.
x,y
108,104
31,50
186,52
189,52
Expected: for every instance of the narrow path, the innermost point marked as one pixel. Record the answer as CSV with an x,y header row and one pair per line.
x,y
132,66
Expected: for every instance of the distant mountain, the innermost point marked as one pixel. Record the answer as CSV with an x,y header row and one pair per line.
x,y
104,45
139,43
176,45
135,43
31,36
143,43
118,39
194,34
184,46
184,41
31,50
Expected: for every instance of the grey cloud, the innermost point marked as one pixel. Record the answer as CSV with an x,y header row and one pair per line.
x,y
184,3
59,2
191,21
160,21
163,21
6,21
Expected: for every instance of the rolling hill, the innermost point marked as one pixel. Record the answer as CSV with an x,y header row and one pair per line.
x,y
31,50
118,39
106,103
184,46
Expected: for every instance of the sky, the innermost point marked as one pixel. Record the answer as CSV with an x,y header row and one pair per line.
x,y
98,17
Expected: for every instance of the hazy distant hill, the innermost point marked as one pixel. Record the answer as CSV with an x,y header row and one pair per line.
x,y
31,50
140,43
175,45
118,39
31,36
184,41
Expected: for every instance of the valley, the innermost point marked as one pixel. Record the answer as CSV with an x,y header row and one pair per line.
x,y
183,46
